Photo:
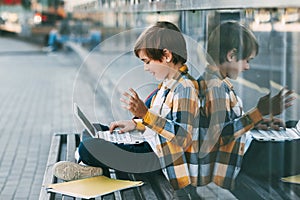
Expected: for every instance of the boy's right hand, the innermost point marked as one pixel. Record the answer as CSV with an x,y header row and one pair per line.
x,y
276,104
273,124
124,125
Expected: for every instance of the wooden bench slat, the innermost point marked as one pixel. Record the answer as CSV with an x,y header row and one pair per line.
x,y
144,192
286,192
68,198
162,187
132,193
108,197
254,188
71,147
250,188
117,194
52,159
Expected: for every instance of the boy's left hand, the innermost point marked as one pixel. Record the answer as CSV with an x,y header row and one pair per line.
x,y
267,124
134,104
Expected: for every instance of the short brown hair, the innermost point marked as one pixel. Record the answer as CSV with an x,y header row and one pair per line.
x,y
228,36
162,35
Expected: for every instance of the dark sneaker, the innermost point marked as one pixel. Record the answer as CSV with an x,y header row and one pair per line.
x,y
68,171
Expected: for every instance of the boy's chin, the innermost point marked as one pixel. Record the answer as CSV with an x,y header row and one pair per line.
x,y
233,77
159,78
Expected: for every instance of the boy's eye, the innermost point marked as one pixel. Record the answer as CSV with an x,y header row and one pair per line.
x,y
248,60
146,61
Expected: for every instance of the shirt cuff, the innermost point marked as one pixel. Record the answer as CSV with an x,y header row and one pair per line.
x,y
139,125
255,115
149,118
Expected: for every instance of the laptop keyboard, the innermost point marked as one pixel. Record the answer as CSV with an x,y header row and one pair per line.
x,y
273,135
115,137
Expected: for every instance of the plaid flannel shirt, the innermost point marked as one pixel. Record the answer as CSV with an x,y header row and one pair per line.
x,y
177,147
223,125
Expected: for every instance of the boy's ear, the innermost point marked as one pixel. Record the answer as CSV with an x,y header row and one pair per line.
x,y
167,55
231,55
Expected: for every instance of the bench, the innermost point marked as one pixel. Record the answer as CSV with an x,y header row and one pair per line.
x,y
63,146
254,188
263,166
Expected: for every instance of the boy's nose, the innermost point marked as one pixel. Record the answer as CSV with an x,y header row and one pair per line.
x,y
145,67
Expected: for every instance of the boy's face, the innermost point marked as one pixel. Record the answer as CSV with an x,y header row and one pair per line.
x,y
235,67
155,67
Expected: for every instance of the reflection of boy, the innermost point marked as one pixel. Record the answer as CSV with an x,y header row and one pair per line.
x,y
223,124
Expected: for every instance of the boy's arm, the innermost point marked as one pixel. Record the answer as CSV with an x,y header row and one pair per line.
x,y
222,123
237,127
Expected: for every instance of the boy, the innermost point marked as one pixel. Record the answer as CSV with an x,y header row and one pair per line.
x,y
167,119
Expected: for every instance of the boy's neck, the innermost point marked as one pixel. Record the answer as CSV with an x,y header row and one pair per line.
x,y
174,70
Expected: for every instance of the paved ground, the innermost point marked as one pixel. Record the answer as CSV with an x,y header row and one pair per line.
x,y
37,91
36,96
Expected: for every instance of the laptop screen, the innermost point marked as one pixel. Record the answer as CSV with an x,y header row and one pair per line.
x,y
90,128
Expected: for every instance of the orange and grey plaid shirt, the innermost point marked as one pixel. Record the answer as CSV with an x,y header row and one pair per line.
x,y
173,123
223,125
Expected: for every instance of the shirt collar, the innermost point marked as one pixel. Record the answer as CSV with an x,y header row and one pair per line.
x,y
211,69
169,83
215,73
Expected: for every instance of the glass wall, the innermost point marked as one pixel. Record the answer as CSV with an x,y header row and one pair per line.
x,y
276,26
278,34
277,31
277,65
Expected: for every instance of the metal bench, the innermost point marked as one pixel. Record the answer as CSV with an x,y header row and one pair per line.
x,y
63,146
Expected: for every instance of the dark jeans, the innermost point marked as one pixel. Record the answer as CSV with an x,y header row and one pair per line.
x,y
133,158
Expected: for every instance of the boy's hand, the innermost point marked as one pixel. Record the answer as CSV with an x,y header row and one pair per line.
x,y
267,124
276,104
134,104
124,125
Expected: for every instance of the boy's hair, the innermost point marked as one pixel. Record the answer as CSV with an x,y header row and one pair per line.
x,y
228,36
162,35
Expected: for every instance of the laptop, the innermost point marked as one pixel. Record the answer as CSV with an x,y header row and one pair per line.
x,y
132,137
288,134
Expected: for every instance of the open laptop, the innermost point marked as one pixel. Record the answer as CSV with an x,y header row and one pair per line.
x,y
274,135
133,137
